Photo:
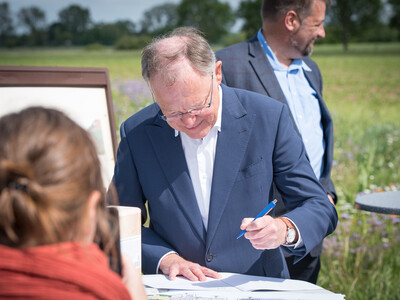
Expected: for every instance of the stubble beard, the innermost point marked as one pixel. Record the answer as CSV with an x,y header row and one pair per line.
x,y
306,51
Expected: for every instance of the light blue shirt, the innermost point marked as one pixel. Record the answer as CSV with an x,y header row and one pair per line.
x,y
303,103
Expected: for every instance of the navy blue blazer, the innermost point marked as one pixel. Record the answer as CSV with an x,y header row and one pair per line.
x,y
257,146
245,66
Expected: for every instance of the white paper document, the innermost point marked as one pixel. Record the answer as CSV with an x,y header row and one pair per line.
x,y
234,287
231,282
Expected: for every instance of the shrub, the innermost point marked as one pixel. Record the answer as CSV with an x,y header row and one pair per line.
x,y
234,38
129,42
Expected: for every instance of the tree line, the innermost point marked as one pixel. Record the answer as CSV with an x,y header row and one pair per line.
x,y
346,21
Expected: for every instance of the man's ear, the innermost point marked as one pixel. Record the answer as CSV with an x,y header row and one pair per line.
x,y
292,21
218,71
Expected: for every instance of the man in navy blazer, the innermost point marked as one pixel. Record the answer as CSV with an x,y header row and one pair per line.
x,y
204,158
268,64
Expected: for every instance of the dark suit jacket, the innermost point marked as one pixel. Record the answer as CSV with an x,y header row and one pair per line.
x,y
245,66
257,146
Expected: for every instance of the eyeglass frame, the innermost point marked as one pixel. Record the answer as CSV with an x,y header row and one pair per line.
x,y
179,115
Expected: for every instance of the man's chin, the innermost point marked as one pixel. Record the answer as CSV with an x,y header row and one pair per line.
x,y
305,51
308,51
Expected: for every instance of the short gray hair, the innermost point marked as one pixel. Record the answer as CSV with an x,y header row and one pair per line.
x,y
192,46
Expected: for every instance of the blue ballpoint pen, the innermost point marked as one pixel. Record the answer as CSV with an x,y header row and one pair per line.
x,y
264,212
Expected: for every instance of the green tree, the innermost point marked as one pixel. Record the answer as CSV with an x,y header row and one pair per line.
x,y
395,18
58,35
132,42
6,25
354,17
34,20
250,12
109,34
159,19
126,26
209,16
76,21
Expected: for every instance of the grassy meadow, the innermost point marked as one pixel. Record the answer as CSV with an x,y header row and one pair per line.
x,y
362,92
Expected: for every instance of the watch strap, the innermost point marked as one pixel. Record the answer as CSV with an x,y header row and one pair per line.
x,y
289,224
289,227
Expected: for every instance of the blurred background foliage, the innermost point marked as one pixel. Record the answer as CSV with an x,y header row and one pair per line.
x,y
346,22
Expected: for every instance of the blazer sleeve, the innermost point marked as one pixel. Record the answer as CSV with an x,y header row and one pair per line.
x,y
130,193
304,197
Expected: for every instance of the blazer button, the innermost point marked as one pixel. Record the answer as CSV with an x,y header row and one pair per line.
x,y
210,257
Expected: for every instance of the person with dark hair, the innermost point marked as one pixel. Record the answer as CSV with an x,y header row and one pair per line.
x,y
53,209
201,162
275,63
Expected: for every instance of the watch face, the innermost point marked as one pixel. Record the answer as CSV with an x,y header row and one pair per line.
x,y
291,235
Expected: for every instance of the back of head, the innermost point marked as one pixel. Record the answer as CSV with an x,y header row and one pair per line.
x,y
183,44
273,10
48,169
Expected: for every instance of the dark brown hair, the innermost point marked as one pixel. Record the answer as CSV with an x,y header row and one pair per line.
x,y
48,169
274,9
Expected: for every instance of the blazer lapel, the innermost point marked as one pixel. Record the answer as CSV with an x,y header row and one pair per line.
x,y
314,84
231,146
316,87
325,119
264,71
266,75
171,157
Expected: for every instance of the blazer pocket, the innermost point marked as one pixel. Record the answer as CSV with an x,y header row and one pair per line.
x,y
252,169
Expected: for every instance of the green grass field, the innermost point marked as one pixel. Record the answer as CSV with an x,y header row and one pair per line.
x,y
362,91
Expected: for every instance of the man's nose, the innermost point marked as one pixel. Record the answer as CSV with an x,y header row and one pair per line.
x,y
321,31
188,119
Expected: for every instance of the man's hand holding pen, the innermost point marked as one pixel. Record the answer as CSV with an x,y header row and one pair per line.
x,y
265,232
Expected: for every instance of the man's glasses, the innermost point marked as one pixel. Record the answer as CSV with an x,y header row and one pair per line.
x,y
194,111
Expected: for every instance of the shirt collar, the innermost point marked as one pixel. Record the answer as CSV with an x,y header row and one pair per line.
x,y
217,124
276,65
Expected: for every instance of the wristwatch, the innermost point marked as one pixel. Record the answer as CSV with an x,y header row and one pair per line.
x,y
291,232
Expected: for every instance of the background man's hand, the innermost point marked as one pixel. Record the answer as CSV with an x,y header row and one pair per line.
x,y
265,232
173,265
331,199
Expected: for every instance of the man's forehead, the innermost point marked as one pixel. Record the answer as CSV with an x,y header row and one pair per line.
x,y
164,80
176,71
171,46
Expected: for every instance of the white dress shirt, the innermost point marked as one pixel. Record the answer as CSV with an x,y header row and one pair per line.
x,y
200,155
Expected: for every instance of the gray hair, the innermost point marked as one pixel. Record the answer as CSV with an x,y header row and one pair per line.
x,y
274,9
190,46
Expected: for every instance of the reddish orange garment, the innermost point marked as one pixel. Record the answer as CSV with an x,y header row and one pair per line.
x,y
61,271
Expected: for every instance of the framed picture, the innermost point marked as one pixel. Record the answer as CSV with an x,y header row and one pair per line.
x,y
83,94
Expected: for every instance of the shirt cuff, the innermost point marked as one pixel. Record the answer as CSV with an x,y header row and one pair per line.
x,y
158,265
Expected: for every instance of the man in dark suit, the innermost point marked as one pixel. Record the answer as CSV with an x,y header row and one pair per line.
x,y
275,63
204,157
